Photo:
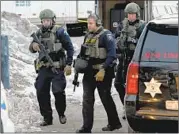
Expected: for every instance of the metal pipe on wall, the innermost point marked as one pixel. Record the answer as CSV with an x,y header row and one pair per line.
x,y
148,10
5,77
97,7
104,12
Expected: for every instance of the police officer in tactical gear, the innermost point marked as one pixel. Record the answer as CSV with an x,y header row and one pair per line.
x,y
55,40
99,51
127,34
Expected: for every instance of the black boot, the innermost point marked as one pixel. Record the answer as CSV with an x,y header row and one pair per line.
x,y
46,123
83,130
63,119
111,128
60,104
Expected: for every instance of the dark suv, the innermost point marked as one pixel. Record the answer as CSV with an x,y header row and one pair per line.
x,y
151,100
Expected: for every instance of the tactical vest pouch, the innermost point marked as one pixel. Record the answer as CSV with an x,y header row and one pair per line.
x,y
93,50
57,46
102,53
48,44
83,51
81,65
132,31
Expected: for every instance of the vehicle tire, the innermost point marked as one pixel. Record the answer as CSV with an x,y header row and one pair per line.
x,y
2,131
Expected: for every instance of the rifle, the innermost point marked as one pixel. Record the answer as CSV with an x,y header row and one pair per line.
x,y
42,48
75,80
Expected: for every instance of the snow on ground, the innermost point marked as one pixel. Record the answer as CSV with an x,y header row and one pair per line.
x,y
23,106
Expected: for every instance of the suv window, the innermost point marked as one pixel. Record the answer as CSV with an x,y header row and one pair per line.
x,y
161,44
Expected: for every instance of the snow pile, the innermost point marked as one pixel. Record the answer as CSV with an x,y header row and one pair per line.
x,y
23,25
23,106
24,111
18,31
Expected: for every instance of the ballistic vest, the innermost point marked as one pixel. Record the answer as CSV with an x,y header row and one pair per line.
x,y
50,41
92,45
130,32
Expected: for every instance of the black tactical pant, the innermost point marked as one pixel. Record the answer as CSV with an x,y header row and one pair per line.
x,y
120,78
104,90
43,84
119,82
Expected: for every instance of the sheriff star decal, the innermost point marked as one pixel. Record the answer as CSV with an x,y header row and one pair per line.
x,y
153,87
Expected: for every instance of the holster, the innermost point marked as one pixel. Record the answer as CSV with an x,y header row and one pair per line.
x,y
36,65
57,64
81,65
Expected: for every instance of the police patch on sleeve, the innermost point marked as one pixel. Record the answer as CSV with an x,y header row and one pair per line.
x,y
65,32
110,37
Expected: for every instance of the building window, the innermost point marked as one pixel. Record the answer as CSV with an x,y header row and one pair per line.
x,y
23,3
28,3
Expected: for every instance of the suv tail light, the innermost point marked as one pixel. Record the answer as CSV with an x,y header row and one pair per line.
x,y
132,78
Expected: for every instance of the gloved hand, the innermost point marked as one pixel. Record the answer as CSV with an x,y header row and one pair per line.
x,y
132,47
132,40
35,46
100,75
67,70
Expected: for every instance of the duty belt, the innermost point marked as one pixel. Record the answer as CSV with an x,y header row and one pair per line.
x,y
97,66
55,64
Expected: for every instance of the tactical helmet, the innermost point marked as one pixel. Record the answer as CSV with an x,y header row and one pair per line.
x,y
97,19
47,14
132,8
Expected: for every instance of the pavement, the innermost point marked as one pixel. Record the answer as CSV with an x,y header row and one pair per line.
x,y
74,119
74,113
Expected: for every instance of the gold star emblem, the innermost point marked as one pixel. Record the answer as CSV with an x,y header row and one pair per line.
x,y
152,87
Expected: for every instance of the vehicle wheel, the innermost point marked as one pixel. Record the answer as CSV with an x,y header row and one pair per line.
x,y
2,131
